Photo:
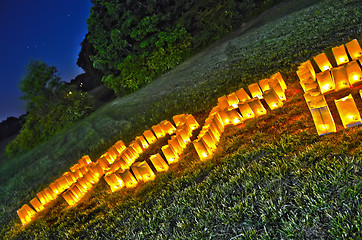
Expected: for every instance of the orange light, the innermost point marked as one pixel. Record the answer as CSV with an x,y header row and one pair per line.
x,y
37,204
26,214
348,111
142,171
323,62
170,155
127,177
159,163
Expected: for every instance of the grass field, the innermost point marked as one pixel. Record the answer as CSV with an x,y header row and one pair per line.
x,y
272,178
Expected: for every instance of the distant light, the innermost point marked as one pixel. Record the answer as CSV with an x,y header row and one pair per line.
x,y
236,120
342,59
325,68
204,154
235,105
355,77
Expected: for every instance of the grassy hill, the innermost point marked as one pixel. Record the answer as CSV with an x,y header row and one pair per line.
x,y
272,178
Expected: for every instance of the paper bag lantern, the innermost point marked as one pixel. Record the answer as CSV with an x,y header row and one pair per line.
x,y
308,65
77,193
323,62
37,204
191,122
120,146
225,118
25,214
354,73
129,180
278,89
142,171
84,161
340,55
175,145
150,137
159,163
136,146
159,133
45,196
117,165
167,127
233,100
315,97
104,164
235,117
183,143
354,49
75,167
209,141
92,178
201,150
218,122
113,153
222,102
272,99
108,158
340,78
278,77
348,111
70,198
178,119
56,188
169,154
142,141
184,135
255,91
63,183
310,86
325,82
305,76
264,84
84,183
257,107
242,95
323,120
246,111
114,181
214,129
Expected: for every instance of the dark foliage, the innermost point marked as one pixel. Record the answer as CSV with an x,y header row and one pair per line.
x,y
135,41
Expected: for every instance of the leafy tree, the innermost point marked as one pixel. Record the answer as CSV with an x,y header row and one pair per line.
x,y
40,86
52,106
138,34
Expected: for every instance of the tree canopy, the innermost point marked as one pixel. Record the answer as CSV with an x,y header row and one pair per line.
x,y
52,105
135,41
40,85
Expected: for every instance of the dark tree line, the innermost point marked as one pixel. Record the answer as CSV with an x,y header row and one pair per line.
x,y
135,41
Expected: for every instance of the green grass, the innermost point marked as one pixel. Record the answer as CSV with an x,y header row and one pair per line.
x,y
275,178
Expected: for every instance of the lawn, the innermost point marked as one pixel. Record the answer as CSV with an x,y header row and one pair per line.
x,y
272,178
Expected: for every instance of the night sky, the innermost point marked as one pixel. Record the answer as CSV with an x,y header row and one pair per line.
x,y
39,29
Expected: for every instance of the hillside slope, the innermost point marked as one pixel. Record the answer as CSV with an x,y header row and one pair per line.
x,y
293,32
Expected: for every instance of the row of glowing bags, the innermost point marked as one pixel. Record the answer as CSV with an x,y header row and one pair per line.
x,y
209,136
336,79
84,171
78,189
232,100
123,160
185,125
142,171
341,57
322,116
